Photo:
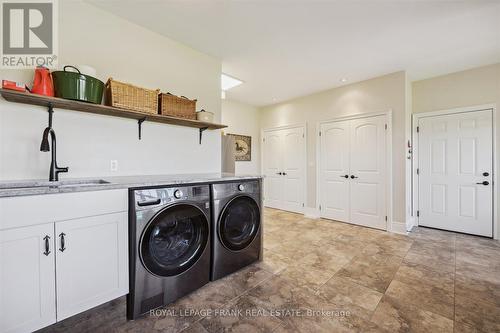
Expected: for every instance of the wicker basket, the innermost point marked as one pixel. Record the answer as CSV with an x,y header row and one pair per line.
x,y
127,96
181,107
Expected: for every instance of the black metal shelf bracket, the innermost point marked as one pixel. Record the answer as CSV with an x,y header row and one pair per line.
x,y
202,129
51,112
139,123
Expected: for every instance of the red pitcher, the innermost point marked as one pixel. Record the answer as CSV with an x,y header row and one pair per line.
x,y
42,83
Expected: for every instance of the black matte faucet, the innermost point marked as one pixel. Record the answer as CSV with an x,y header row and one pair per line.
x,y
44,146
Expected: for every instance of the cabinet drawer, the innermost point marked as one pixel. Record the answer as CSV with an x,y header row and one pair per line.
x,y
18,212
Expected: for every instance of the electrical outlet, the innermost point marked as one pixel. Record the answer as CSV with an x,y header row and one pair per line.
x,y
113,166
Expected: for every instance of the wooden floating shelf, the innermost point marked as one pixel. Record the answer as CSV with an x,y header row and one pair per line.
x,y
55,102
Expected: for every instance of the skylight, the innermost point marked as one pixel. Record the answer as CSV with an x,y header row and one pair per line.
x,y
228,82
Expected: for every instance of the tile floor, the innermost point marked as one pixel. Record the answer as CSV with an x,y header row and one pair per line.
x,y
363,280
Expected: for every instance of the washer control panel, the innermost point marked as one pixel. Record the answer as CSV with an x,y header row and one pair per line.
x,y
144,198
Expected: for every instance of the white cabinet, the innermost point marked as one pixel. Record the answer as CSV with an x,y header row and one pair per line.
x,y
55,261
27,278
91,262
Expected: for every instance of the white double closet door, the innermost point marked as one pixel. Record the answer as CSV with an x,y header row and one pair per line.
x,y
455,178
352,179
283,161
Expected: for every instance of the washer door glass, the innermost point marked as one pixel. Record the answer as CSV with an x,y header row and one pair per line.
x,y
239,223
174,240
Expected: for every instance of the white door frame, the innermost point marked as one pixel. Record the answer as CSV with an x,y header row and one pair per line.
x,y
415,159
388,142
304,151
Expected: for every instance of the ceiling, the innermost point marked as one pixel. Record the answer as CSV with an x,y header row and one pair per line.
x,y
290,48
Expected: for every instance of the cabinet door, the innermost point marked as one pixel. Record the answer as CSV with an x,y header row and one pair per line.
x,y
91,261
27,278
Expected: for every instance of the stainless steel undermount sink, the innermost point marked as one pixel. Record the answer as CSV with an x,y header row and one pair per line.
x,y
47,184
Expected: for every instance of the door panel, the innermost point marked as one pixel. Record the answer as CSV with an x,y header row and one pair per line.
x,y
284,169
27,278
293,166
334,166
273,182
454,152
368,165
93,267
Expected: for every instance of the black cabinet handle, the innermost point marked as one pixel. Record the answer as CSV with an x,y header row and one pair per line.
x,y
284,173
279,173
47,245
63,242
353,176
148,203
485,183
344,176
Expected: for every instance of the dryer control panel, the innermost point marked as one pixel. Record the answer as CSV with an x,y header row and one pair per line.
x,y
222,190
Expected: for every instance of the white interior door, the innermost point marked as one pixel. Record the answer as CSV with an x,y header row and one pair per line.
x,y
367,176
273,180
352,172
455,172
293,169
284,159
334,184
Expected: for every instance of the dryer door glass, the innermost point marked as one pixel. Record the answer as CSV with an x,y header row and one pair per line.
x,y
239,223
174,240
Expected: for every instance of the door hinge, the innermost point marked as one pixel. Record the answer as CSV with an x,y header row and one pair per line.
x,y
418,213
264,140
385,126
303,135
302,204
319,133
319,207
386,218
418,129
418,171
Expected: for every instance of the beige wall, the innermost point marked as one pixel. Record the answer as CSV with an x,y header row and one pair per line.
x,y
376,95
472,87
243,119
86,142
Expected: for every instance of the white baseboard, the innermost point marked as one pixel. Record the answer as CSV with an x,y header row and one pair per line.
x,y
399,228
311,212
410,223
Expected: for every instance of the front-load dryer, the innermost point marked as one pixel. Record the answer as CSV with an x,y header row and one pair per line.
x,y
236,226
169,245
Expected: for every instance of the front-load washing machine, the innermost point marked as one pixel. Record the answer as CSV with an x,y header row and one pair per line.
x,y
236,226
169,245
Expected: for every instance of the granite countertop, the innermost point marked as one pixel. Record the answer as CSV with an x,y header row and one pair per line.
x,y
41,187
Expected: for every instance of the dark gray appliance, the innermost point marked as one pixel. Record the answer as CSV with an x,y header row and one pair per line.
x,y
169,245
236,226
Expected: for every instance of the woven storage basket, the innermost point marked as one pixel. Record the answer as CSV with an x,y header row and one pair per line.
x,y
127,96
181,107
